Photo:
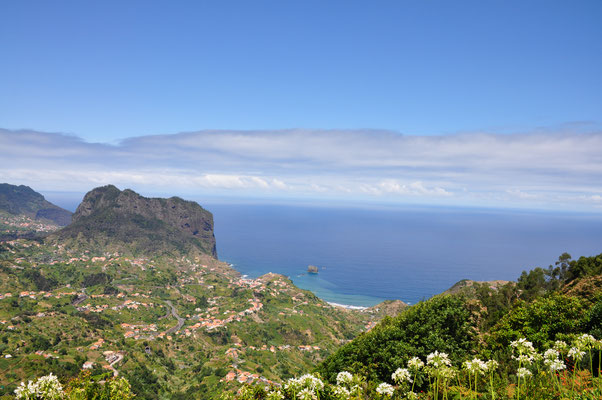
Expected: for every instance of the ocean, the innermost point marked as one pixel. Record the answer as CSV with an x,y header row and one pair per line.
x,y
369,255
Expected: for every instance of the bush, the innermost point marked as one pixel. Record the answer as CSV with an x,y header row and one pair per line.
x,y
442,323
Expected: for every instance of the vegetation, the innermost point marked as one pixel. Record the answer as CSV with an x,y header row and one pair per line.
x,y
439,348
180,325
84,387
22,200
561,372
61,309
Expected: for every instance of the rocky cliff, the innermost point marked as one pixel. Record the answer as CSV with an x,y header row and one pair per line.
x,y
128,222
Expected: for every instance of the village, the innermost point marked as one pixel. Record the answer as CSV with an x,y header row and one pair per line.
x,y
148,312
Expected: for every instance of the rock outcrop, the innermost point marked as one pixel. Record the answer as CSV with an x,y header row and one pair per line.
x,y
128,222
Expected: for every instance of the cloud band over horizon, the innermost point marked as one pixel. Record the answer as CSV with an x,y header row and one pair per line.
x,y
541,170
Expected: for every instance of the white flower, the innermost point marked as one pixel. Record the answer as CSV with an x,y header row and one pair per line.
x,y
274,395
585,341
306,381
47,387
401,375
447,373
385,389
551,354
523,346
523,373
576,354
524,359
412,396
356,390
344,378
293,384
559,345
492,365
342,392
307,394
415,363
555,365
475,366
437,359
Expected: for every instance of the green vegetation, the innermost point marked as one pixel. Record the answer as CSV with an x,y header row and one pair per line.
x,y
62,309
438,348
24,201
83,387
443,323
131,289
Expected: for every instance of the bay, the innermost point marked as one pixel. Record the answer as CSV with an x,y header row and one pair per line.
x,y
368,255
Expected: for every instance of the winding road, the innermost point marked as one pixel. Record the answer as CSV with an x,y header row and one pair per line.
x,y
174,312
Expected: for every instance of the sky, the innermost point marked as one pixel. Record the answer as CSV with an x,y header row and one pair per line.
x,y
470,103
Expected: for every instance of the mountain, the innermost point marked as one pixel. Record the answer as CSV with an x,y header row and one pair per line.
x,y
109,219
469,287
24,201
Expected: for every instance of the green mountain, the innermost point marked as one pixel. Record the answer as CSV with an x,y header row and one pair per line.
x,y
109,219
24,201
132,287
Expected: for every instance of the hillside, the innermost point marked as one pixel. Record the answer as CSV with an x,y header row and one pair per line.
x,y
132,288
124,221
26,213
482,319
171,325
469,287
23,200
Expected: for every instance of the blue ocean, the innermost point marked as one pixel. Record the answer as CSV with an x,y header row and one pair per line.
x,y
368,255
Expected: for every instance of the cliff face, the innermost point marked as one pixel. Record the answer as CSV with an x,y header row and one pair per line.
x,y
23,200
126,221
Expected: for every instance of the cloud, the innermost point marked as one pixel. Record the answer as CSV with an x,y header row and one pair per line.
x,y
391,186
520,194
555,167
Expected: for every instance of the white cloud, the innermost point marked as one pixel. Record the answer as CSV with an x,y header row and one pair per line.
x,y
487,169
520,194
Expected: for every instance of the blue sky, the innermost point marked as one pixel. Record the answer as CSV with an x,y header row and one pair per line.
x,y
461,73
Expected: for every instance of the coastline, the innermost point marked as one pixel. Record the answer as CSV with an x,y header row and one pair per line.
x,y
316,284
347,306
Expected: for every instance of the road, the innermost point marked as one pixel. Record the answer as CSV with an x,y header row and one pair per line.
x,y
174,312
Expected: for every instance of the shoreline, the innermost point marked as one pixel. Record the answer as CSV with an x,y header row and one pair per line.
x,y
347,306
323,293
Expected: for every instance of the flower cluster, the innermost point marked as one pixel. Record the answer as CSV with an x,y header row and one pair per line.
x,y
576,354
401,375
523,346
307,381
344,378
347,385
585,342
47,387
438,360
475,366
385,389
560,346
274,395
415,363
523,373
307,394
492,365
552,360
